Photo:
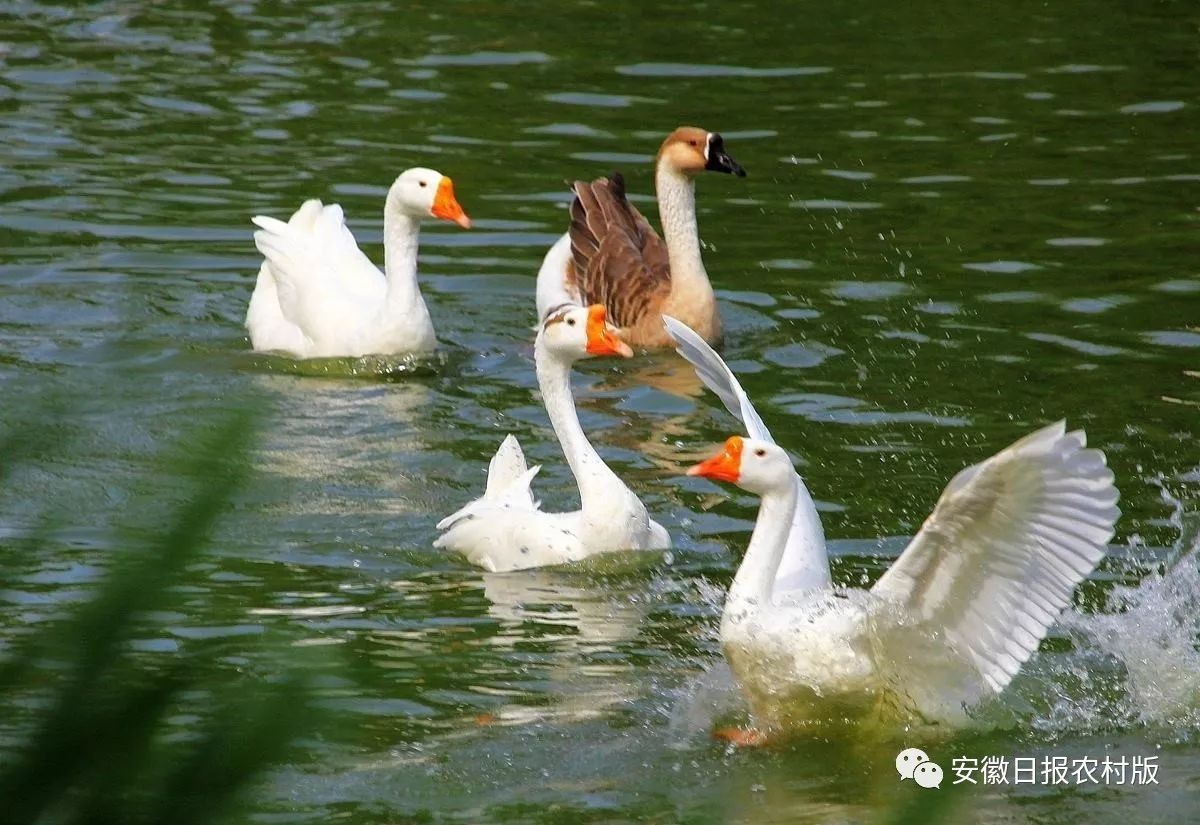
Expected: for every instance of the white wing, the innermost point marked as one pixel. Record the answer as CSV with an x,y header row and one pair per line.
x,y
325,283
998,559
716,376
350,264
508,483
805,563
269,328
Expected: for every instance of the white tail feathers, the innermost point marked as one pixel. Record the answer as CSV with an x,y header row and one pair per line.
x,y
506,467
508,483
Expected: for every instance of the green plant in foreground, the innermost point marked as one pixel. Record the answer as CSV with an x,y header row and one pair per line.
x,y
100,747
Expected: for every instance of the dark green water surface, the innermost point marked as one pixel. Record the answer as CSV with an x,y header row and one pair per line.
x,y
961,222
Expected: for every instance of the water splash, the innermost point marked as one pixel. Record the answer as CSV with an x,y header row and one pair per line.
x,y
1132,664
1144,646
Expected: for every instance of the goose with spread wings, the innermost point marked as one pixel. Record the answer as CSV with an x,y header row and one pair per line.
x,y
948,624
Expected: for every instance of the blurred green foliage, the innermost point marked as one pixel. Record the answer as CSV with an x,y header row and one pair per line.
x,y
121,736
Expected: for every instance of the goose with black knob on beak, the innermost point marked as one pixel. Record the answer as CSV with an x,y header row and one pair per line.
x,y
319,296
947,625
505,530
612,256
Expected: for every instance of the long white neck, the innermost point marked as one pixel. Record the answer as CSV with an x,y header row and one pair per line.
x,y
596,481
805,562
677,209
401,233
752,586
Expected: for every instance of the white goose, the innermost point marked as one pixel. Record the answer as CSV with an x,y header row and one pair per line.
x,y
612,256
319,296
504,530
949,623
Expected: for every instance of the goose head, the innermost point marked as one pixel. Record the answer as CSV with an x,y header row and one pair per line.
x,y
427,193
574,332
756,466
690,150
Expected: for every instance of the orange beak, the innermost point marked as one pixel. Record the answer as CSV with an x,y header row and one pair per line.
x,y
601,338
725,465
446,207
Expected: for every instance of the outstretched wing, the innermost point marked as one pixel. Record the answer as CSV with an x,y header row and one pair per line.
x,y
999,557
717,376
617,259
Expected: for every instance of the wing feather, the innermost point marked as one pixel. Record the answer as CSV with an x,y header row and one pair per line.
x,y
619,260
1000,556
321,275
717,376
508,485
585,239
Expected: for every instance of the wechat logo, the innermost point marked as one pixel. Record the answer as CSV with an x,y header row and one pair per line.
x,y
914,764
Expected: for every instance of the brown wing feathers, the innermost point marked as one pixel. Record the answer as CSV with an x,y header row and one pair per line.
x,y
585,238
617,259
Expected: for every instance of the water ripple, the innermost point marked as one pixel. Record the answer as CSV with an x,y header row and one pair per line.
x,y
1002,267
595,99
1153,107
712,70
484,58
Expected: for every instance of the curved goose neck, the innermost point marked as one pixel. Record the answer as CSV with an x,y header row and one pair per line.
x,y
805,562
677,210
752,586
594,478
401,233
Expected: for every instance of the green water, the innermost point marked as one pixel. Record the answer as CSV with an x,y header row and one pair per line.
x,y
959,224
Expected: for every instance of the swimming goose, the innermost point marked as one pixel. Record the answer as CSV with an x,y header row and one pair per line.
x,y
612,256
504,530
319,296
954,617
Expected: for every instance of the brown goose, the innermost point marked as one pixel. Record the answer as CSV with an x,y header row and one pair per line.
x,y
612,256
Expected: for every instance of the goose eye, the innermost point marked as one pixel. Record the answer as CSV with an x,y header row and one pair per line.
x,y
570,322
760,452
692,143
423,184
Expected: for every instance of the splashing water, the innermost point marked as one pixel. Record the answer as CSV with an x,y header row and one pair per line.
x,y
1151,631
1134,663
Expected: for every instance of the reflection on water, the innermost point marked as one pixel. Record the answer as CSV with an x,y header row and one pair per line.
x,y
987,225
585,628
341,434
